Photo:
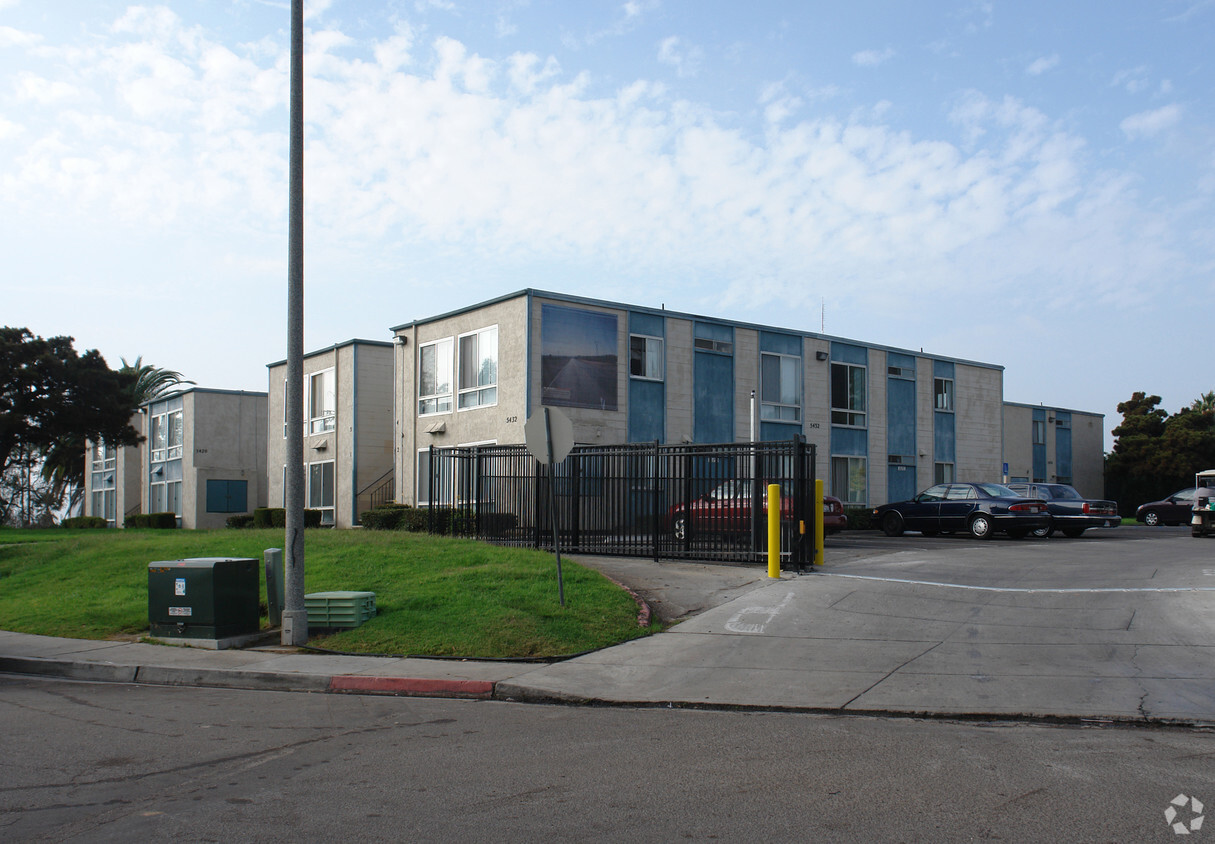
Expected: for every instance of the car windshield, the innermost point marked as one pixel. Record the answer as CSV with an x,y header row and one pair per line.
x,y
1066,493
998,491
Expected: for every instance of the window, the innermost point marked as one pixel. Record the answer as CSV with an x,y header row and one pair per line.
x,y
848,479
434,377
1039,432
320,490
645,357
721,347
104,481
166,437
104,457
780,387
479,369
943,473
442,478
322,402
848,395
943,390
165,497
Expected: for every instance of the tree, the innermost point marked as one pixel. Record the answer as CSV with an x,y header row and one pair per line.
x,y
1156,454
50,396
65,464
1204,403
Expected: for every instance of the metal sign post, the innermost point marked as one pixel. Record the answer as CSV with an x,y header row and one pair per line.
x,y
549,438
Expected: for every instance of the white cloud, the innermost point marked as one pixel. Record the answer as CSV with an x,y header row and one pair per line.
x,y
872,58
32,88
10,37
1042,65
684,59
1147,124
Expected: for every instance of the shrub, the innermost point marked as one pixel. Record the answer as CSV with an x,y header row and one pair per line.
x,y
276,517
859,518
84,522
164,521
262,518
240,520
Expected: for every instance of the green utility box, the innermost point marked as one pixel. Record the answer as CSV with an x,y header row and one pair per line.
x,y
203,598
339,609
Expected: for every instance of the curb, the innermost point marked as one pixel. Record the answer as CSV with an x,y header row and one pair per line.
x,y
411,687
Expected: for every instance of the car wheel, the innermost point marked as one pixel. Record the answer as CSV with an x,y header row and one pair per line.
x,y
980,527
1151,518
1073,533
892,524
680,527
1042,532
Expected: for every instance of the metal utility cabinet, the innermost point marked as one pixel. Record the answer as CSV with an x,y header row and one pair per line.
x,y
1202,516
203,598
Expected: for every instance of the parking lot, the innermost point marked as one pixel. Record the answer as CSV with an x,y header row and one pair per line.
x,y
1118,624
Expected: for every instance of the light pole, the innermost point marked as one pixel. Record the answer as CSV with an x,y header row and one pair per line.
x,y
295,614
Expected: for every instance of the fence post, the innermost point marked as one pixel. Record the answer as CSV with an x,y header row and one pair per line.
x,y
430,490
657,514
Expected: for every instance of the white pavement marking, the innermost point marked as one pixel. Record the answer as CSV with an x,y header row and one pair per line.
x,y
1024,589
736,626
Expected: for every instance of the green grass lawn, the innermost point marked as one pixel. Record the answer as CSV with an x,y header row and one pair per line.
x,y
434,595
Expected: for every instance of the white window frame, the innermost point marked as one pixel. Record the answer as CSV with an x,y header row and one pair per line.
x,y
477,395
438,398
652,357
327,510
943,394
171,424
852,417
326,420
845,495
770,411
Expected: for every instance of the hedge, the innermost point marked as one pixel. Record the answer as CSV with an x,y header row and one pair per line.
x,y
446,520
276,517
84,522
859,518
240,520
161,521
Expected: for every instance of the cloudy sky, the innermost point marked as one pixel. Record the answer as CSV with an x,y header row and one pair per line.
x,y
1023,183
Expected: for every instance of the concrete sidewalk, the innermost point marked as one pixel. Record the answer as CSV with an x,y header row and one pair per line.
x,y
849,640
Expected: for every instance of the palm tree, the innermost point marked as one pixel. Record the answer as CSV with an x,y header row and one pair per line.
x,y
1204,403
64,465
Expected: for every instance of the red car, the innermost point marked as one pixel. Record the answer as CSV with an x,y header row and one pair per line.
x,y
727,510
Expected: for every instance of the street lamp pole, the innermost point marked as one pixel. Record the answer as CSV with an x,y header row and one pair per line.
x,y
295,614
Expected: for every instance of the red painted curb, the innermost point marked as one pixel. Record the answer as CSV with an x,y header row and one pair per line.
x,y
411,686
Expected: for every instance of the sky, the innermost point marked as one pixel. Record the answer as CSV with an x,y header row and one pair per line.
x,y
1024,183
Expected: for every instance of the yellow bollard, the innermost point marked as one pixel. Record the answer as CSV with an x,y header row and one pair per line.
x,y
818,522
774,531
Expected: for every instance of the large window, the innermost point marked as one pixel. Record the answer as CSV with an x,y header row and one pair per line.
x,y
943,473
435,377
848,395
943,392
166,436
320,490
479,368
165,497
849,479
645,357
322,402
104,482
780,387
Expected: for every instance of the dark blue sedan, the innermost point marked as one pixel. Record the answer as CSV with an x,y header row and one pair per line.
x,y
978,509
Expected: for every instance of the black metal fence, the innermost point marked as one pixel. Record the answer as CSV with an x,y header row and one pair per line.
x,y
703,502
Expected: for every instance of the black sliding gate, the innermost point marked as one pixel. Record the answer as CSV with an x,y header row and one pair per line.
x,y
700,502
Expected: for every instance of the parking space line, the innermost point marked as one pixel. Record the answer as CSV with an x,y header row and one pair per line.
x,y
1023,589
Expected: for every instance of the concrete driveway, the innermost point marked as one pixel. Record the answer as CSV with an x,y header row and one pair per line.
x,y
1116,625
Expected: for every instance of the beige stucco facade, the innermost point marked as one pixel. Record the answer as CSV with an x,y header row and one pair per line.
x,y
348,442
1065,446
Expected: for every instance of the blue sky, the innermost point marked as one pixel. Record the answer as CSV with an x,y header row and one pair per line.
x,y
1028,184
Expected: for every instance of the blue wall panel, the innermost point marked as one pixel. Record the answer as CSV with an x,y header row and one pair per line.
x,y
943,439
900,416
713,398
900,483
647,411
1040,450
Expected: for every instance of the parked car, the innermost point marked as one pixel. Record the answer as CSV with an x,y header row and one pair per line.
x,y
978,508
726,509
1070,512
1174,510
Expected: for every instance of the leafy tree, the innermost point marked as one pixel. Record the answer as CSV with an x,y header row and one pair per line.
x,y
1156,454
50,395
65,464
1204,403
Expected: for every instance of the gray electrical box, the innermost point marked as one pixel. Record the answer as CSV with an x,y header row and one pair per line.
x,y
203,598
